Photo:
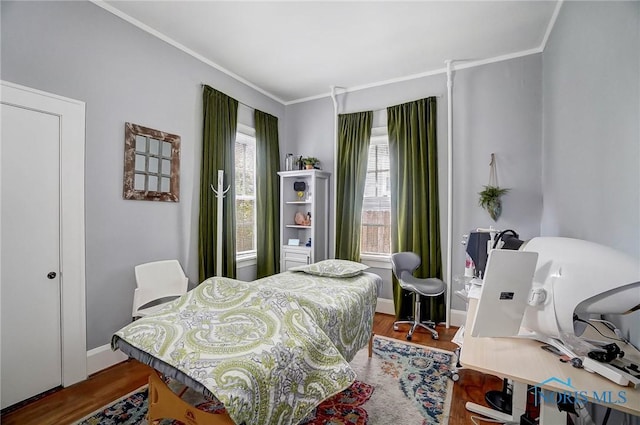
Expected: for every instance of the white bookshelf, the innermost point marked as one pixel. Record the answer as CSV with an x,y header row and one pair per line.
x,y
314,201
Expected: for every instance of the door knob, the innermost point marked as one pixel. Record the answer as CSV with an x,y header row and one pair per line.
x,y
51,275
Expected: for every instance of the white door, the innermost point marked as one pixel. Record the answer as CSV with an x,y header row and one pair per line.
x,y
31,351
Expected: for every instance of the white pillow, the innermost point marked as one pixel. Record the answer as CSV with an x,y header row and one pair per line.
x,y
332,268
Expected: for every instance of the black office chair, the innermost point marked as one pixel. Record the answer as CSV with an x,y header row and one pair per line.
x,y
404,264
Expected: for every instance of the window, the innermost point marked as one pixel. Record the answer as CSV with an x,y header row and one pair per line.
x,y
245,163
376,208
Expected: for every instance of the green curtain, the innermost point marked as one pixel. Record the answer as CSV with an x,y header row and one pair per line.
x,y
354,136
267,194
218,153
414,198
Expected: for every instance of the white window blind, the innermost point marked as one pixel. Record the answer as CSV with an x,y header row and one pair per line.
x,y
376,206
245,182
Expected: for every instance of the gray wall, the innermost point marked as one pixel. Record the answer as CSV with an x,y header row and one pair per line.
x,y
497,108
309,131
591,131
78,50
591,174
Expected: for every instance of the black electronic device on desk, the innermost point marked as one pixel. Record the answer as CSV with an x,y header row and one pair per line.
x,y
481,241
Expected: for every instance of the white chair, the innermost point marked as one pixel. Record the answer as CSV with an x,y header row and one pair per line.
x,y
158,283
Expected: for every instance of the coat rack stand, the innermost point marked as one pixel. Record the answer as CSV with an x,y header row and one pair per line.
x,y
220,194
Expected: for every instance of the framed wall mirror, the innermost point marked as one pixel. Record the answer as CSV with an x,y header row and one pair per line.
x,y
151,164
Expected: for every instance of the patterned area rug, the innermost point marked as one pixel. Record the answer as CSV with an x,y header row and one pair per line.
x,y
403,383
411,383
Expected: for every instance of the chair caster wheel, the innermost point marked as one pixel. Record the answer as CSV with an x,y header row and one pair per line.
x,y
454,376
435,337
408,337
395,327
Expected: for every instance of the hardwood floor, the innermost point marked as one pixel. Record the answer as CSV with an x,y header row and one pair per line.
x,y
72,403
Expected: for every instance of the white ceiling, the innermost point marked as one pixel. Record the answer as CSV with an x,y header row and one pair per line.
x,y
297,50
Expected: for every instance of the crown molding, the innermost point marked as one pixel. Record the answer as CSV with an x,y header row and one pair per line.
x,y
185,49
461,63
552,23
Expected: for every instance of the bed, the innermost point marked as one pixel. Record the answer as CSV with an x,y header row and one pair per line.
x,y
271,350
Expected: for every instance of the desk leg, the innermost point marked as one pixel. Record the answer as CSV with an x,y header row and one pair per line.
x,y
519,400
549,412
518,404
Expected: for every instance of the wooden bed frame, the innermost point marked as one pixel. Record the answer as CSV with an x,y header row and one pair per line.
x,y
165,404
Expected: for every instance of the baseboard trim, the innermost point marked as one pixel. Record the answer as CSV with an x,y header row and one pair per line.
x,y
385,306
458,317
103,357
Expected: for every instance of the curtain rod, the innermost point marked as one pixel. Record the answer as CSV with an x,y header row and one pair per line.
x,y
241,103
438,96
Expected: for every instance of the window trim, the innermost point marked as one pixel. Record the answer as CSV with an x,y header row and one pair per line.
x,y
246,130
246,258
378,261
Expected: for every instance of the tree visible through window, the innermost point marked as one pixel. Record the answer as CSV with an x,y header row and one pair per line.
x,y
376,208
245,163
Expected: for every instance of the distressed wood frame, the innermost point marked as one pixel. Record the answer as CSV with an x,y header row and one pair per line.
x,y
129,191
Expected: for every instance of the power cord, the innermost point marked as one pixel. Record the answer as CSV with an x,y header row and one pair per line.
x,y
615,330
577,319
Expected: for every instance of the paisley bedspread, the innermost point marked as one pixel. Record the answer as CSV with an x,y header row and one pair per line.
x,y
342,307
270,350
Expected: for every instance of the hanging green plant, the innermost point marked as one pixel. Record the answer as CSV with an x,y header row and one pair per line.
x,y
490,196
490,200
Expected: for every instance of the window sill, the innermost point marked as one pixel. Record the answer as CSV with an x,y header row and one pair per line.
x,y
246,260
376,261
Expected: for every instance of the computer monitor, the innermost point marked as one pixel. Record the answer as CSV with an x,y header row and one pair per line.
x,y
505,290
477,248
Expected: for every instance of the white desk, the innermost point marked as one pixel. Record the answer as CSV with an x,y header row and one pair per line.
x,y
524,362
